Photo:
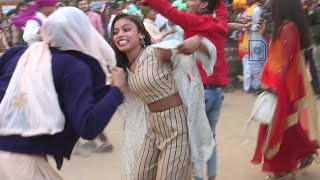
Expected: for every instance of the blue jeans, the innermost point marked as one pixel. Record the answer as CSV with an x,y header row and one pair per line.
x,y
213,100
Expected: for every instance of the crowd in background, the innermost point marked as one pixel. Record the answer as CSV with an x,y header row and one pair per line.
x,y
108,9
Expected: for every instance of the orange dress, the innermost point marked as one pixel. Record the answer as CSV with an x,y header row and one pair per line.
x,y
293,133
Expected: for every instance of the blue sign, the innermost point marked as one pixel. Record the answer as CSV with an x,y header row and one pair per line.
x,y
257,50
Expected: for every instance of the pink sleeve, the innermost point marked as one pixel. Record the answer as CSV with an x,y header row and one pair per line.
x,y
98,25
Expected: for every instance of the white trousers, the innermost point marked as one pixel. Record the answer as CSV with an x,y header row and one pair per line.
x,y
251,73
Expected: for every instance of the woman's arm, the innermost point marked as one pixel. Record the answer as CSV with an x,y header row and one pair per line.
x,y
192,45
159,37
237,26
87,116
163,54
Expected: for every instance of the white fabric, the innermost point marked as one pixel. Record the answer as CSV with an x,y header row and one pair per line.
x,y
30,105
110,24
160,21
153,30
151,27
30,32
68,29
178,35
134,112
254,29
252,69
264,107
262,112
251,73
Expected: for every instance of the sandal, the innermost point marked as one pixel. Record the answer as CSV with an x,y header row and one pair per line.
x,y
89,145
104,148
306,161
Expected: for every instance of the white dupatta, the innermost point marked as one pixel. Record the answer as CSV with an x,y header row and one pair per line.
x,y
134,113
30,106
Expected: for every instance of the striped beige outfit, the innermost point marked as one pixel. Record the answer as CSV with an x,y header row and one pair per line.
x,y
165,153
15,166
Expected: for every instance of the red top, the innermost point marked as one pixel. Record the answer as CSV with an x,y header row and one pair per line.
x,y
213,28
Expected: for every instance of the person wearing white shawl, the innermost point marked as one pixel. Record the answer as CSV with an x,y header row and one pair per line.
x,y
163,134
54,92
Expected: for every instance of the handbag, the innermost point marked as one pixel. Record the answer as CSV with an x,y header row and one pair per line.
x,y
264,107
262,112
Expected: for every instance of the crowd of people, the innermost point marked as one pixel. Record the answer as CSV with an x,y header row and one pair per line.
x,y
64,72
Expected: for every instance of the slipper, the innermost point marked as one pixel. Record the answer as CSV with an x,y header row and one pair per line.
x,y
104,148
306,161
80,153
89,145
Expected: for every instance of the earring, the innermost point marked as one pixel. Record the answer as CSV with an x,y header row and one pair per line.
x,y
142,42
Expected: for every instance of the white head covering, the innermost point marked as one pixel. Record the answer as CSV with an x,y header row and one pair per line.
x,y
30,106
70,29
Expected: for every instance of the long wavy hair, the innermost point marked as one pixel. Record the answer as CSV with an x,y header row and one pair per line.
x,y
290,10
122,59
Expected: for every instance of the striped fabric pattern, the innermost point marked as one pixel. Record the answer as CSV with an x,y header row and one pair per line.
x,y
152,80
165,153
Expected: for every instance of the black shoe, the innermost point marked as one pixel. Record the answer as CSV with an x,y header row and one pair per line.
x,y
258,92
251,91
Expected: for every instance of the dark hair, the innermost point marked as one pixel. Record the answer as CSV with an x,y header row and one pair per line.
x,y
122,59
212,4
77,1
12,11
114,6
21,4
290,10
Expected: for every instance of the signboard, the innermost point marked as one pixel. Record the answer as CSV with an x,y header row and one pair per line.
x,y
257,50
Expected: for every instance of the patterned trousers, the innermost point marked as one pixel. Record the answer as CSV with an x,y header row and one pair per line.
x,y
165,153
